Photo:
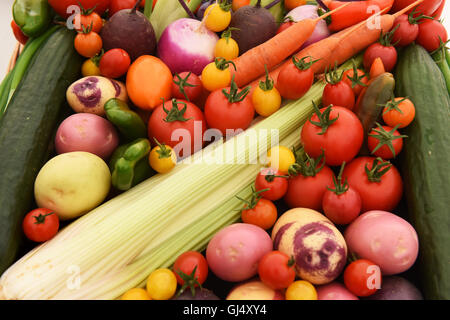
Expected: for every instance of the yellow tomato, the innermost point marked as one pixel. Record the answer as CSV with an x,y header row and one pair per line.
x,y
89,69
281,158
215,75
301,290
162,158
136,294
226,48
266,102
161,284
217,17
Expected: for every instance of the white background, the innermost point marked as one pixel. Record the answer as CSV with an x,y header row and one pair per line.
x,y
7,40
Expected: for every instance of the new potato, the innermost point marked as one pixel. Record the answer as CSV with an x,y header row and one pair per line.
x,y
72,184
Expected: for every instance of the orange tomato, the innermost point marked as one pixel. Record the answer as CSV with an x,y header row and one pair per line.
x,y
399,112
349,78
149,81
263,214
86,21
239,3
291,4
88,44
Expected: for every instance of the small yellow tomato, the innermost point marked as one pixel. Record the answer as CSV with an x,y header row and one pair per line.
x,y
301,290
162,158
136,294
216,75
227,48
161,284
266,98
217,16
90,69
281,158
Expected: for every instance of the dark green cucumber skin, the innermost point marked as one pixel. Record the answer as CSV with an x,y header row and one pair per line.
x,y
425,166
26,131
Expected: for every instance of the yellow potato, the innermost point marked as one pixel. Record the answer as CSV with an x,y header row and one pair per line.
x,y
72,184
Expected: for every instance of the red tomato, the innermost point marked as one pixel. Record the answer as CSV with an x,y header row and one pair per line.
x,y
92,20
295,79
284,26
222,112
276,270
117,5
356,82
428,7
307,191
61,6
385,142
387,54
40,225
262,214
189,83
169,125
114,63
378,191
273,180
18,34
341,208
437,14
184,269
338,94
362,277
342,138
406,31
431,33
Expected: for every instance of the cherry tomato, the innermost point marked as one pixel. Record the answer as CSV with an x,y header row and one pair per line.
x,y
342,204
406,32
136,294
91,21
281,158
162,158
18,34
431,34
274,180
379,189
88,44
276,270
337,92
161,284
40,225
61,6
236,4
187,86
295,78
301,290
336,131
266,98
114,63
288,22
217,16
291,4
362,278
260,212
216,75
399,112
385,142
226,47
385,51
117,5
357,79
428,7
90,68
191,270
230,110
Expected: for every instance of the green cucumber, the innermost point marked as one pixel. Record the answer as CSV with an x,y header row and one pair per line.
x,y
26,131
425,166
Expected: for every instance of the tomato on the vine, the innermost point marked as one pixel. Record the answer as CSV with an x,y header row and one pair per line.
x,y
217,16
356,78
336,131
226,47
273,181
88,19
266,98
399,112
385,142
187,86
191,270
276,270
216,75
431,35
337,92
114,63
162,158
258,211
40,224
406,28
295,78
362,277
382,49
88,43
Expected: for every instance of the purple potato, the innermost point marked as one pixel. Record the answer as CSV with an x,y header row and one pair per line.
x,y
396,288
200,294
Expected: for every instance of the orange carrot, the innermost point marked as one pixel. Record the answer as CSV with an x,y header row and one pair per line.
x,y
251,64
377,68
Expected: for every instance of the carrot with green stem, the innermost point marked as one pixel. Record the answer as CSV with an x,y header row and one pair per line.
x,y
251,64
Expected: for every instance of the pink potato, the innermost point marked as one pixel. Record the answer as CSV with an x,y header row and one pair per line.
x,y
86,132
334,291
254,290
384,238
234,252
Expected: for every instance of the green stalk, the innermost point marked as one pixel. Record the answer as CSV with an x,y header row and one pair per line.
x,y
447,56
148,8
4,92
24,60
440,57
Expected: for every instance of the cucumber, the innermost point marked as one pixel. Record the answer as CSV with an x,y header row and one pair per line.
x,y
26,131
424,163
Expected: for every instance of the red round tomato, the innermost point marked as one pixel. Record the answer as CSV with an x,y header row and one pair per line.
x,y
340,136
431,34
91,21
338,94
406,31
184,269
18,34
284,26
179,124
276,270
385,142
307,191
428,7
378,190
263,214
229,113
341,208
61,6
386,53
273,180
295,79
186,85
356,80
114,63
40,225
362,277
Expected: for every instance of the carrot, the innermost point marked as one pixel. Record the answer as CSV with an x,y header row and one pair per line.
x,y
148,81
377,68
251,64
